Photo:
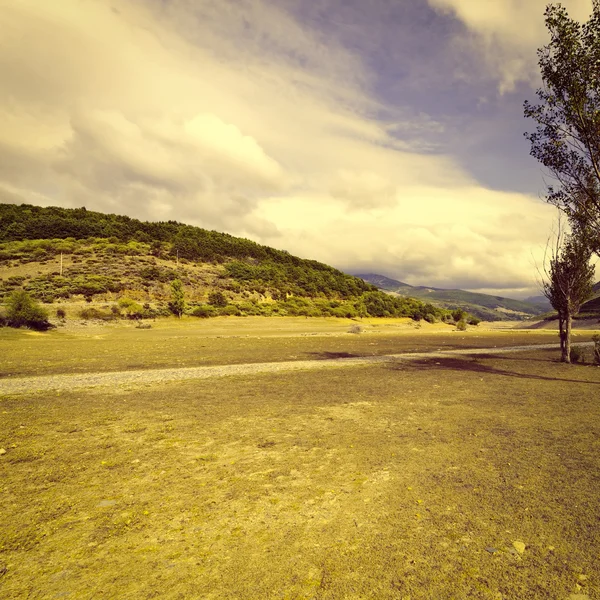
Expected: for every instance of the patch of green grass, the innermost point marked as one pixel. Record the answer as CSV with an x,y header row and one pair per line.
x,y
410,480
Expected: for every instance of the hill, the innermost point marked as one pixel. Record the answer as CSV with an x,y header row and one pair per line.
x,y
540,301
59,254
484,306
592,307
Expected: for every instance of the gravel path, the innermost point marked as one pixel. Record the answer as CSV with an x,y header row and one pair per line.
x,y
25,385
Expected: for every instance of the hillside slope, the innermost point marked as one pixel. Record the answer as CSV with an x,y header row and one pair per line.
x,y
592,307
484,306
60,254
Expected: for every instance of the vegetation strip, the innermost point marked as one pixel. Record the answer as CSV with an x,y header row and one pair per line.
x,y
25,385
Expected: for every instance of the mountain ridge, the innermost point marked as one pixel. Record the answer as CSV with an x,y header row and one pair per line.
x,y
484,306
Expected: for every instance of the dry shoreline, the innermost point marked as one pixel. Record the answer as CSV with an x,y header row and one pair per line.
x,y
67,382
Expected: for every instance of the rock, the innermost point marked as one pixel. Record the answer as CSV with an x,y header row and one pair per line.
x,y
579,597
519,547
491,550
105,503
2,451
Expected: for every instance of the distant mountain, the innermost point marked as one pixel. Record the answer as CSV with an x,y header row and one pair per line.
x,y
540,301
383,282
484,306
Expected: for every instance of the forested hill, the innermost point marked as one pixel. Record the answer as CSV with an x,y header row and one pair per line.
x,y
26,222
65,254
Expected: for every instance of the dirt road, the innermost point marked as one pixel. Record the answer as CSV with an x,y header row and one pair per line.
x,y
66,382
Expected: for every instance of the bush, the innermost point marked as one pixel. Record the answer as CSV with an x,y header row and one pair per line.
x,y
474,321
61,313
461,325
202,311
217,299
458,315
231,310
23,311
88,314
132,309
577,354
355,329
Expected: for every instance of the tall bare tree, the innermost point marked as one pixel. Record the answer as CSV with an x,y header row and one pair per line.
x,y
567,136
568,284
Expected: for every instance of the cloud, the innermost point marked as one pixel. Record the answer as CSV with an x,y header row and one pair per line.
x,y
240,116
506,34
362,190
469,238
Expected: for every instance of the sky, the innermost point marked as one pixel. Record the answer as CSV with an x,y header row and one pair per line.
x,y
382,136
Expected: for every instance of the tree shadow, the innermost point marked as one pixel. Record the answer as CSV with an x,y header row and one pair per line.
x,y
473,365
335,355
512,356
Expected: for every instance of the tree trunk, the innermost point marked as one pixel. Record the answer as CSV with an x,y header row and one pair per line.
x,y
561,335
567,349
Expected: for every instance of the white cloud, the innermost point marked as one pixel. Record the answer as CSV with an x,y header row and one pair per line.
x,y
232,116
507,33
466,237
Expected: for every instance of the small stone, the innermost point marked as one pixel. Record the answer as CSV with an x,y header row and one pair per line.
x,y
105,503
2,451
582,577
579,597
519,547
491,550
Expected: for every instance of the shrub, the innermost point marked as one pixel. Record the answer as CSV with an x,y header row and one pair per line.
x,y
231,310
23,311
355,329
61,313
88,314
217,299
203,311
474,321
459,315
577,354
132,309
461,325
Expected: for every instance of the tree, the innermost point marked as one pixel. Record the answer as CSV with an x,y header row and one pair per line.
x,y
567,137
23,311
177,304
218,299
570,278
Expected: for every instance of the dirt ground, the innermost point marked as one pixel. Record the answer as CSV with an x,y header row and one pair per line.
x,y
457,477
191,342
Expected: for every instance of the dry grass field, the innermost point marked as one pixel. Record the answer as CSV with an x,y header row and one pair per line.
x,y
446,478
95,347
